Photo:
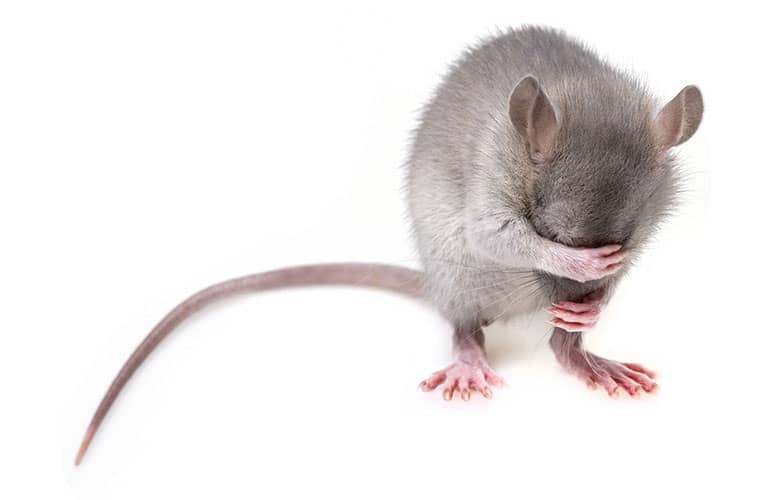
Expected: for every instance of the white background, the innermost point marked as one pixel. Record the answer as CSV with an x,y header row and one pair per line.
x,y
151,148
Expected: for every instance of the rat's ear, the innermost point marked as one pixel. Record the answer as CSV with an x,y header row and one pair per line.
x,y
534,118
678,120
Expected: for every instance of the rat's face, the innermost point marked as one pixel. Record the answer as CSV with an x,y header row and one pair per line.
x,y
602,169
589,197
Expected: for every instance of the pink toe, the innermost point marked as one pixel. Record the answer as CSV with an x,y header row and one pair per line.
x,y
586,317
494,379
567,326
641,369
573,306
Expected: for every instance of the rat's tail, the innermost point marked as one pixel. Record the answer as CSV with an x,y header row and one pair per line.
x,y
394,278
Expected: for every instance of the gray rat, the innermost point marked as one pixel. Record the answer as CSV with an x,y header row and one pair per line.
x,y
536,173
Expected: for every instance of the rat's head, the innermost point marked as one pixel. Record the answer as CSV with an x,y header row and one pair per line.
x,y
602,168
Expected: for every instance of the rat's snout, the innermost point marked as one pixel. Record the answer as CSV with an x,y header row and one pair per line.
x,y
592,228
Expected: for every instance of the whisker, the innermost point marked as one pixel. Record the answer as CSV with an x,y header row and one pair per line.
x,y
525,286
508,281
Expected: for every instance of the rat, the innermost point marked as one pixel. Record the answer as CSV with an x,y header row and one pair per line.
x,y
536,174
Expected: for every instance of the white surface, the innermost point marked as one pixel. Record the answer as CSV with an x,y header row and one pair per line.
x,y
153,148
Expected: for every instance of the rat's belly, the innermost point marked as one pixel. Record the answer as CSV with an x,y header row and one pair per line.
x,y
483,292
515,295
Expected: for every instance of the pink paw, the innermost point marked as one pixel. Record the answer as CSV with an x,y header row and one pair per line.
x,y
578,316
611,375
575,316
463,377
588,264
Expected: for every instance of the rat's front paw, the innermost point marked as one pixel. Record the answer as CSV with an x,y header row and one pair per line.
x,y
574,316
585,264
578,316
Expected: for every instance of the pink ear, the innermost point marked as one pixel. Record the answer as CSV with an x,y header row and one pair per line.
x,y
534,118
679,119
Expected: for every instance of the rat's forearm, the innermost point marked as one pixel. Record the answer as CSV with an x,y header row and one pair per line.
x,y
513,242
508,241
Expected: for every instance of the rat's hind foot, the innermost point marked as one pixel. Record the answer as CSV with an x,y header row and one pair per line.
x,y
469,372
595,370
611,375
463,377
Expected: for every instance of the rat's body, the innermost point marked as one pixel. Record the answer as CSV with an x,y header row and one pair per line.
x,y
501,179
470,173
536,169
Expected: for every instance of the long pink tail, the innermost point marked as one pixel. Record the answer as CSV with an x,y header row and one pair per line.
x,y
394,278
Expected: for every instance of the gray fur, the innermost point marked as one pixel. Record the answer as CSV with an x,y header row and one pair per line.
x,y
483,209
